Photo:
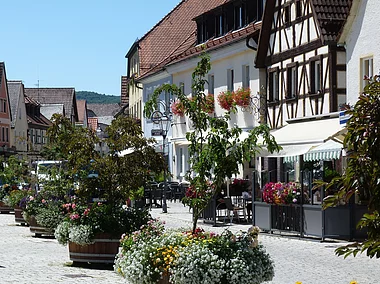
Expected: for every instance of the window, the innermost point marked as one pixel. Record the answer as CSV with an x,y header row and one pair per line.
x,y
3,134
366,70
230,80
239,17
287,15
202,32
245,79
291,81
7,134
220,25
315,76
298,9
211,84
5,106
273,85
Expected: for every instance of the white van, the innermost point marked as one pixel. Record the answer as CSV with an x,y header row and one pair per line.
x,y
42,171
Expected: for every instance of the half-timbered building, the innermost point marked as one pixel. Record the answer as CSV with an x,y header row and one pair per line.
x,y
304,71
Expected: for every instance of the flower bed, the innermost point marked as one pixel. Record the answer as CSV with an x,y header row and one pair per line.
x,y
282,193
151,254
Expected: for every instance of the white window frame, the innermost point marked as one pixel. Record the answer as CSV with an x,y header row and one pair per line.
x,y
246,76
230,79
366,69
211,84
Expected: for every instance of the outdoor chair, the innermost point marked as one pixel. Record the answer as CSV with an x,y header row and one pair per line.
x,y
157,196
232,208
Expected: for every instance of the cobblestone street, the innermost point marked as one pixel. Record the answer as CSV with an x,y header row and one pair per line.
x,y
26,259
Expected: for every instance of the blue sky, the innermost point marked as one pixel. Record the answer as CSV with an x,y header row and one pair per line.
x,y
74,43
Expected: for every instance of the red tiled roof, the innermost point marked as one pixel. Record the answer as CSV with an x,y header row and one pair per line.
x,y
82,109
212,44
172,31
331,16
29,100
39,120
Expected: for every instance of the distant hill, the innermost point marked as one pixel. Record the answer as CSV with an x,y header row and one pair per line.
x,y
96,98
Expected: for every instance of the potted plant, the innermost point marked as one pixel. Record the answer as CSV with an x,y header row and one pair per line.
x,y
93,229
15,199
43,212
153,255
226,100
12,173
98,199
242,97
4,195
178,108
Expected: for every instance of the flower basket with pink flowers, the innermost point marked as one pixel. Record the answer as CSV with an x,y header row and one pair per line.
x,y
209,104
178,108
242,97
226,100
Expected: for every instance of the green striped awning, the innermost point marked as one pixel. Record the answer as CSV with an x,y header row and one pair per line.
x,y
326,151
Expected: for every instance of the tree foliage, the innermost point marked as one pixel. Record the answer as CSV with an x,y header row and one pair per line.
x,y
362,174
216,150
117,177
96,98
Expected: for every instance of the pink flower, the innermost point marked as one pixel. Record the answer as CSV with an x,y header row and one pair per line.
x,y
73,206
43,201
74,216
86,211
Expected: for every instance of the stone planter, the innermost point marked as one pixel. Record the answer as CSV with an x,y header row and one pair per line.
x,y
38,230
104,250
19,219
4,208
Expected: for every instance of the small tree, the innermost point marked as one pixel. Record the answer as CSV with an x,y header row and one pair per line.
x,y
362,174
118,176
215,149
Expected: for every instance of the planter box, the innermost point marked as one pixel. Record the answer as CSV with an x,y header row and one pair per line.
x,y
18,216
104,250
313,220
262,215
286,218
38,230
4,208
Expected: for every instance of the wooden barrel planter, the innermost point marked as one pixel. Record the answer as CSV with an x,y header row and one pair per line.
x,y
19,219
164,279
4,208
104,250
38,230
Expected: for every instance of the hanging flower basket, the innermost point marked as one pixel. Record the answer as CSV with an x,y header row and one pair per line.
x,y
242,97
226,100
178,108
209,104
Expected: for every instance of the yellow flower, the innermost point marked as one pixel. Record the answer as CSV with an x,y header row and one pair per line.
x,y
298,282
353,282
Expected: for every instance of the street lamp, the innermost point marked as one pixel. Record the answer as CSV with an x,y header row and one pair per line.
x,y
163,121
